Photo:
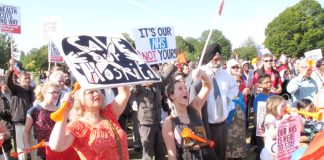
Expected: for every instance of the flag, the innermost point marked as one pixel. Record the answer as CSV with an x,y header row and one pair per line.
x,y
16,69
181,58
315,149
220,8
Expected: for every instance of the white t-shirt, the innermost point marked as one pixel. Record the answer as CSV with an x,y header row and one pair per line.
x,y
270,145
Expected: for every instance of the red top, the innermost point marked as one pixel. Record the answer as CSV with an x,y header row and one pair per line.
x,y
273,78
99,143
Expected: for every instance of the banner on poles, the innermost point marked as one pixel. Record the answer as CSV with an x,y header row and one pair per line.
x,y
156,44
10,19
288,137
101,62
53,54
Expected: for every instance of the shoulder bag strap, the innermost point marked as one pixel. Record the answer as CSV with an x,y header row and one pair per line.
x,y
117,139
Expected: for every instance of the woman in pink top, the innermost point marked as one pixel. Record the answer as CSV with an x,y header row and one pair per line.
x,y
96,134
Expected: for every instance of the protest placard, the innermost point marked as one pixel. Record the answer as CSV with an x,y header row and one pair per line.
x,y
101,62
54,54
1,72
315,54
260,118
51,28
156,44
10,19
288,137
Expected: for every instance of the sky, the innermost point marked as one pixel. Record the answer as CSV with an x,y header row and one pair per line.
x,y
240,19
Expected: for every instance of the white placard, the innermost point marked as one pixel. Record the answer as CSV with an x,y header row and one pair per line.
x,y
156,44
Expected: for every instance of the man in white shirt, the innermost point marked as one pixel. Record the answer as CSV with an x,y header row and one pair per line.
x,y
219,102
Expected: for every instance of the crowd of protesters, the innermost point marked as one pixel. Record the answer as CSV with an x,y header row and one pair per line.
x,y
214,101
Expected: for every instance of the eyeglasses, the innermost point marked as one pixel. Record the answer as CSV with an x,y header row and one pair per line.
x,y
54,92
238,81
270,60
235,67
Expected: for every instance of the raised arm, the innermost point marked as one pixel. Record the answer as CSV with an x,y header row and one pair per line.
x,y
120,101
60,139
202,95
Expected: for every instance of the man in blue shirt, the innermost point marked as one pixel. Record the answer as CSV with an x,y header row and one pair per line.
x,y
303,86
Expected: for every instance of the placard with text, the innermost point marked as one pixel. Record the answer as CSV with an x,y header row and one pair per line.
x,y
101,62
10,19
156,44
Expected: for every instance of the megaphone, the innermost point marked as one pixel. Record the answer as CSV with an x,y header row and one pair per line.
x,y
315,115
57,116
41,144
187,133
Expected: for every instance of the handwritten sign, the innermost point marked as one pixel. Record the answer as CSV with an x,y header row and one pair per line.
x,y
156,44
288,137
101,62
51,27
10,19
315,54
260,118
54,54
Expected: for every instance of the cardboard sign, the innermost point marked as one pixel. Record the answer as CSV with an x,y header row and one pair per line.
x,y
101,62
1,72
51,27
10,19
156,44
260,118
54,54
315,54
288,137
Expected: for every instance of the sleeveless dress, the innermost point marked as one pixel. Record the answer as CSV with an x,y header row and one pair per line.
x,y
99,143
189,149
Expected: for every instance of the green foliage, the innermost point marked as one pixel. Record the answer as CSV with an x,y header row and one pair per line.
x,y
218,37
5,50
193,48
129,40
247,50
296,30
36,59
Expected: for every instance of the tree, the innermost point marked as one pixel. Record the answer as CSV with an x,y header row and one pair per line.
x,y
129,40
195,48
5,50
36,59
218,37
247,50
297,29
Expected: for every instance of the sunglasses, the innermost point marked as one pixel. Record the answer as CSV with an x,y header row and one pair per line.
x,y
235,67
270,60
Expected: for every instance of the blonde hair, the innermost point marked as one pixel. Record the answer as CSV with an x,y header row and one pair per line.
x,y
78,108
272,104
42,88
39,94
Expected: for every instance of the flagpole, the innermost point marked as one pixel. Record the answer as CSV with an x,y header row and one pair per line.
x,y
11,47
220,8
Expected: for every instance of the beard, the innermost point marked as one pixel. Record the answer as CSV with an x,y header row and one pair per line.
x,y
212,68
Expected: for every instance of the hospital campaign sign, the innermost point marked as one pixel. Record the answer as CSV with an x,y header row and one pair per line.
x,y
155,44
101,62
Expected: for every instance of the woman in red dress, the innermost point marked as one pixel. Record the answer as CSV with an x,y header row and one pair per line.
x,y
96,134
